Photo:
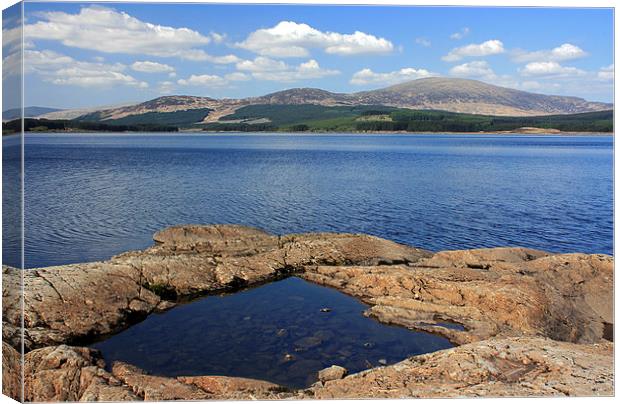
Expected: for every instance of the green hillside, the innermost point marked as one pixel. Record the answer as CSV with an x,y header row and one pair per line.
x,y
176,118
375,118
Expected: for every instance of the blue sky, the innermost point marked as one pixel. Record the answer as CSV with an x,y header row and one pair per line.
x,y
81,55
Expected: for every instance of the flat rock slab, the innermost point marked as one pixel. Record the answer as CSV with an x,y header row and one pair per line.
x,y
492,368
509,308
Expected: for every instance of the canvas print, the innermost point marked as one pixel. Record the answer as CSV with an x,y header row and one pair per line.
x,y
207,201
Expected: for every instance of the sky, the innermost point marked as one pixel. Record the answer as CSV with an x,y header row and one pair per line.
x,y
87,54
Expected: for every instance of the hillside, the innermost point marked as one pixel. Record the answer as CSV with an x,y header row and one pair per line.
x,y
29,112
319,118
444,94
475,97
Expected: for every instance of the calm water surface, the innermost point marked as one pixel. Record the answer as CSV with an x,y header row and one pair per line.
x,y
89,196
250,334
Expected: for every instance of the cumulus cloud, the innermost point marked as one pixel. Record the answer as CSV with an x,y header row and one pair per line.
x,y
264,68
237,76
423,42
461,34
291,39
12,38
606,73
367,76
477,69
222,60
550,69
107,30
151,67
64,70
203,80
561,53
491,47
166,87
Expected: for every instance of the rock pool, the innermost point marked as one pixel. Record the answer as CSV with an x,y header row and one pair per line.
x,y
283,332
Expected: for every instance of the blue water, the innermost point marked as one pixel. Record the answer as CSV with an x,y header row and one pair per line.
x,y
250,334
89,196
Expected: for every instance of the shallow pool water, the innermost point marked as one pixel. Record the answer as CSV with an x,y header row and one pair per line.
x,y
283,332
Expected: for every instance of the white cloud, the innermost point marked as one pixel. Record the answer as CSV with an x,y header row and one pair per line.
x,y
222,60
218,38
491,47
237,76
206,80
606,73
12,38
461,34
549,69
367,76
262,64
561,53
107,30
291,39
477,68
166,87
151,67
423,42
60,69
264,68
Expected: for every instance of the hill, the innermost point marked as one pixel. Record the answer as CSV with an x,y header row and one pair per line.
x,y
475,97
29,112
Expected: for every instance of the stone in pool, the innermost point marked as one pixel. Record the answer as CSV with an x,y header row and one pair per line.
x,y
274,332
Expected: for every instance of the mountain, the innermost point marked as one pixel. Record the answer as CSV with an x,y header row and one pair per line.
x,y
475,97
29,112
436,93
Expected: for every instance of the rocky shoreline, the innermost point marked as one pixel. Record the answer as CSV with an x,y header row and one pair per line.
x,y
533,323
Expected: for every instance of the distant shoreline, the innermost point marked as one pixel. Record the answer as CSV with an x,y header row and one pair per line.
x,y
317,133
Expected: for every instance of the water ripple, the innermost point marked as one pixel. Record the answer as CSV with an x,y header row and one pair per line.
x,y
91,196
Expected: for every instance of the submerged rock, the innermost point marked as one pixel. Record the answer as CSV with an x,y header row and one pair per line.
x,y
516,302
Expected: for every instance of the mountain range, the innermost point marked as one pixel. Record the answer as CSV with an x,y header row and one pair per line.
x,y
436,93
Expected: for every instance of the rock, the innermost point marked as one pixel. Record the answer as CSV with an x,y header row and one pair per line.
x,y
237,388
11,372
308,342
550,311
473,370
156,388
332,373
165,305
64,373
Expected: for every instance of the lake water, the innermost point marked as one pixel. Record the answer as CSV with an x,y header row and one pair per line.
x,y
250,334
90,196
